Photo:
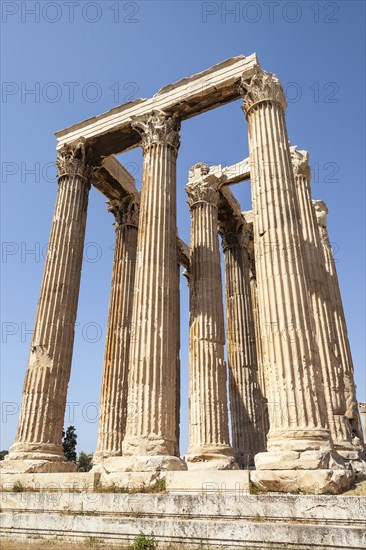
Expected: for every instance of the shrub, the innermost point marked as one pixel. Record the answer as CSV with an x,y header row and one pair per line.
x,y
142,542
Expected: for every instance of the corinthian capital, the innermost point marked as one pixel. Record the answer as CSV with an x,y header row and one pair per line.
x,y
126,210
231,231
158,128
300,163
77,159
321,211
202,187
263,86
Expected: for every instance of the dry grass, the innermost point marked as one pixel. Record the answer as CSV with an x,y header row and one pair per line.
x,y
359,489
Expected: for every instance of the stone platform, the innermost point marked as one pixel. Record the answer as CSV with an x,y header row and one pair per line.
x,y
210,481
214,521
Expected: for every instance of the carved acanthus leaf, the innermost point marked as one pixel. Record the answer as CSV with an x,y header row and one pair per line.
x,y
231,231
158,128
77,159
126,210
202,192
263,86
202,186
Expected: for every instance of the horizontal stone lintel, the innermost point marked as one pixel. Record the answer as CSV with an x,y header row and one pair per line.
x,y
111,132
113,180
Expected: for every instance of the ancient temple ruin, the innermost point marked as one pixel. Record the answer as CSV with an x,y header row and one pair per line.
x,y
292,395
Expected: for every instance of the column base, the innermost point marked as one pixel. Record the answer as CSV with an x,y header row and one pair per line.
x,y
298,440
311,471
292,460
343,443
350,452
211,458
319,482
36,451
116,464
347,454
152,444
36,458
357,463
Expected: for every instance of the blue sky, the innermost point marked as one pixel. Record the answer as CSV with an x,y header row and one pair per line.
x,y
84,58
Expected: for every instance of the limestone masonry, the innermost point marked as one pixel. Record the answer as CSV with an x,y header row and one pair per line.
x,y
295,419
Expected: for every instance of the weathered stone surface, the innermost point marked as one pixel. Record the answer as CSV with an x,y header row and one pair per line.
x,y
113,132
39,435
263,370
50,481
113,180
140,463
19,465
209,445
306,460
339,328
220,521
246,399
320,481
151,427
295,393
362,407
130,481
333,372
114,388
208,481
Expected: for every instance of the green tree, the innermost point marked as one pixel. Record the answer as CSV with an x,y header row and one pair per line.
x,y
69,439
2,454
84,463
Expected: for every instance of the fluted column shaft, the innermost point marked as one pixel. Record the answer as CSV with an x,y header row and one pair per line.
x,y
362,409
151,424
246,402
295,394
208,412
177,340
338,323
262,370
257,332
114,389
332,371
41,419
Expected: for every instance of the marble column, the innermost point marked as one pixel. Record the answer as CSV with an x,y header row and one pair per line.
x,y
263,371
39,435
362,408
209,445
114,388
299,439
177,340
150,440
246,400
339,326
327,341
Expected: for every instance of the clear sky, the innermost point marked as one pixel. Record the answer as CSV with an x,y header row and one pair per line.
x,y
63,62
